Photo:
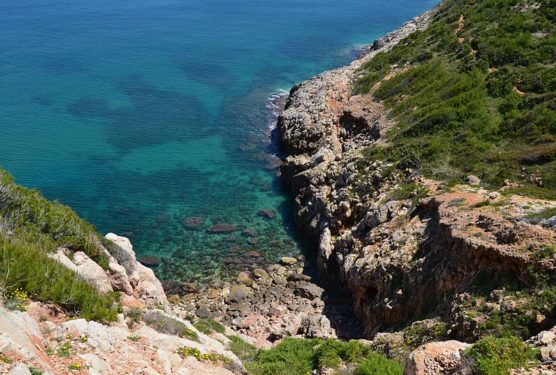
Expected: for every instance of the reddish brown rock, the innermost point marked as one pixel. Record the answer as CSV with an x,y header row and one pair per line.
x,y
221,229
267,214
149,261
193,222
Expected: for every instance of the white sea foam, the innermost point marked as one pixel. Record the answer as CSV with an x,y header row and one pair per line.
x,y
275,105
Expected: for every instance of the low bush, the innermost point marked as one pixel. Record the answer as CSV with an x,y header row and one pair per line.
x,y
498,355
31,227
375,364
26,268
303,356
483,104
208,326
243,350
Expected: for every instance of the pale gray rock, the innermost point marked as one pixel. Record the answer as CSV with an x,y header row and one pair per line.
x,y
142,279
435,358
85,267
20,369
97,366
118,277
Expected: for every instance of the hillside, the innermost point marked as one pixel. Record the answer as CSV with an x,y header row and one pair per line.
x,y
426,172
473,94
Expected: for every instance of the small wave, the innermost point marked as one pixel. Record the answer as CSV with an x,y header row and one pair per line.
x,y
275,106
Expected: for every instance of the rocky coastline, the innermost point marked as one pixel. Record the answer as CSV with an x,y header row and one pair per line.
x,y
396,268
410,259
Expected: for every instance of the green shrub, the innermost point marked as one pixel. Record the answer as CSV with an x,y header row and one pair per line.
x,y
544,214
208,326
243,350
376,364
133,316
411,191
38,227
64,350
497,356
189,334
302,356
291,356
23,266
75,366
194,352
332,353
485,105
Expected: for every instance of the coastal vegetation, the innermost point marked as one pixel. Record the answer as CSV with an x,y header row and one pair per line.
x,y
475,93
302,356
31,227
498,355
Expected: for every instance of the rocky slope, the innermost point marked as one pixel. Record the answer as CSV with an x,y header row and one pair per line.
x,y
422,259
148,337
434,269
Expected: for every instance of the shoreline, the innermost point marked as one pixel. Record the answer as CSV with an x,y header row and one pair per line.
x,y
285,299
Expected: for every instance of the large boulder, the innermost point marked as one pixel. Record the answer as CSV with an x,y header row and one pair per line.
x,y
545,341
118,277
85,267
142,279
436,358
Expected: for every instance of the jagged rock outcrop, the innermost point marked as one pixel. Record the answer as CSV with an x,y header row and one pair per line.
x,y
155,340
123,274
141,278
436,358
321,113
55,346
403,246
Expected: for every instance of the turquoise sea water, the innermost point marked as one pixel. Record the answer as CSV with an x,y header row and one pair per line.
x,y
142,114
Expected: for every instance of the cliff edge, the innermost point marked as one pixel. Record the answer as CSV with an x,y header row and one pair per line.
x,y
426,174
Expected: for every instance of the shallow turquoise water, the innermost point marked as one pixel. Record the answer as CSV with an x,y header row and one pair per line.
x,y
140,114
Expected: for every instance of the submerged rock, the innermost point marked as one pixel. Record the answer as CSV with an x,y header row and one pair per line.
x,y
248,233
267,214
149,261
193,222
221,229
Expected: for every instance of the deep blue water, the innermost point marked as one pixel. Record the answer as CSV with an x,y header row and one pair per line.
x,y
140,114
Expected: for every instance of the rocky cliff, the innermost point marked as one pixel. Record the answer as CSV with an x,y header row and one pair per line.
x,y
449,273
148,337
423,258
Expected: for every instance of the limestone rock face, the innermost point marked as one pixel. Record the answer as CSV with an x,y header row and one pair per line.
x,y
396,253
85,267
436,358
124,273
118,277
141,279
105,349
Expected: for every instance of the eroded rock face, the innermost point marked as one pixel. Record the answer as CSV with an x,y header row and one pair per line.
x,y
116,349
436,358
140,279
397,254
